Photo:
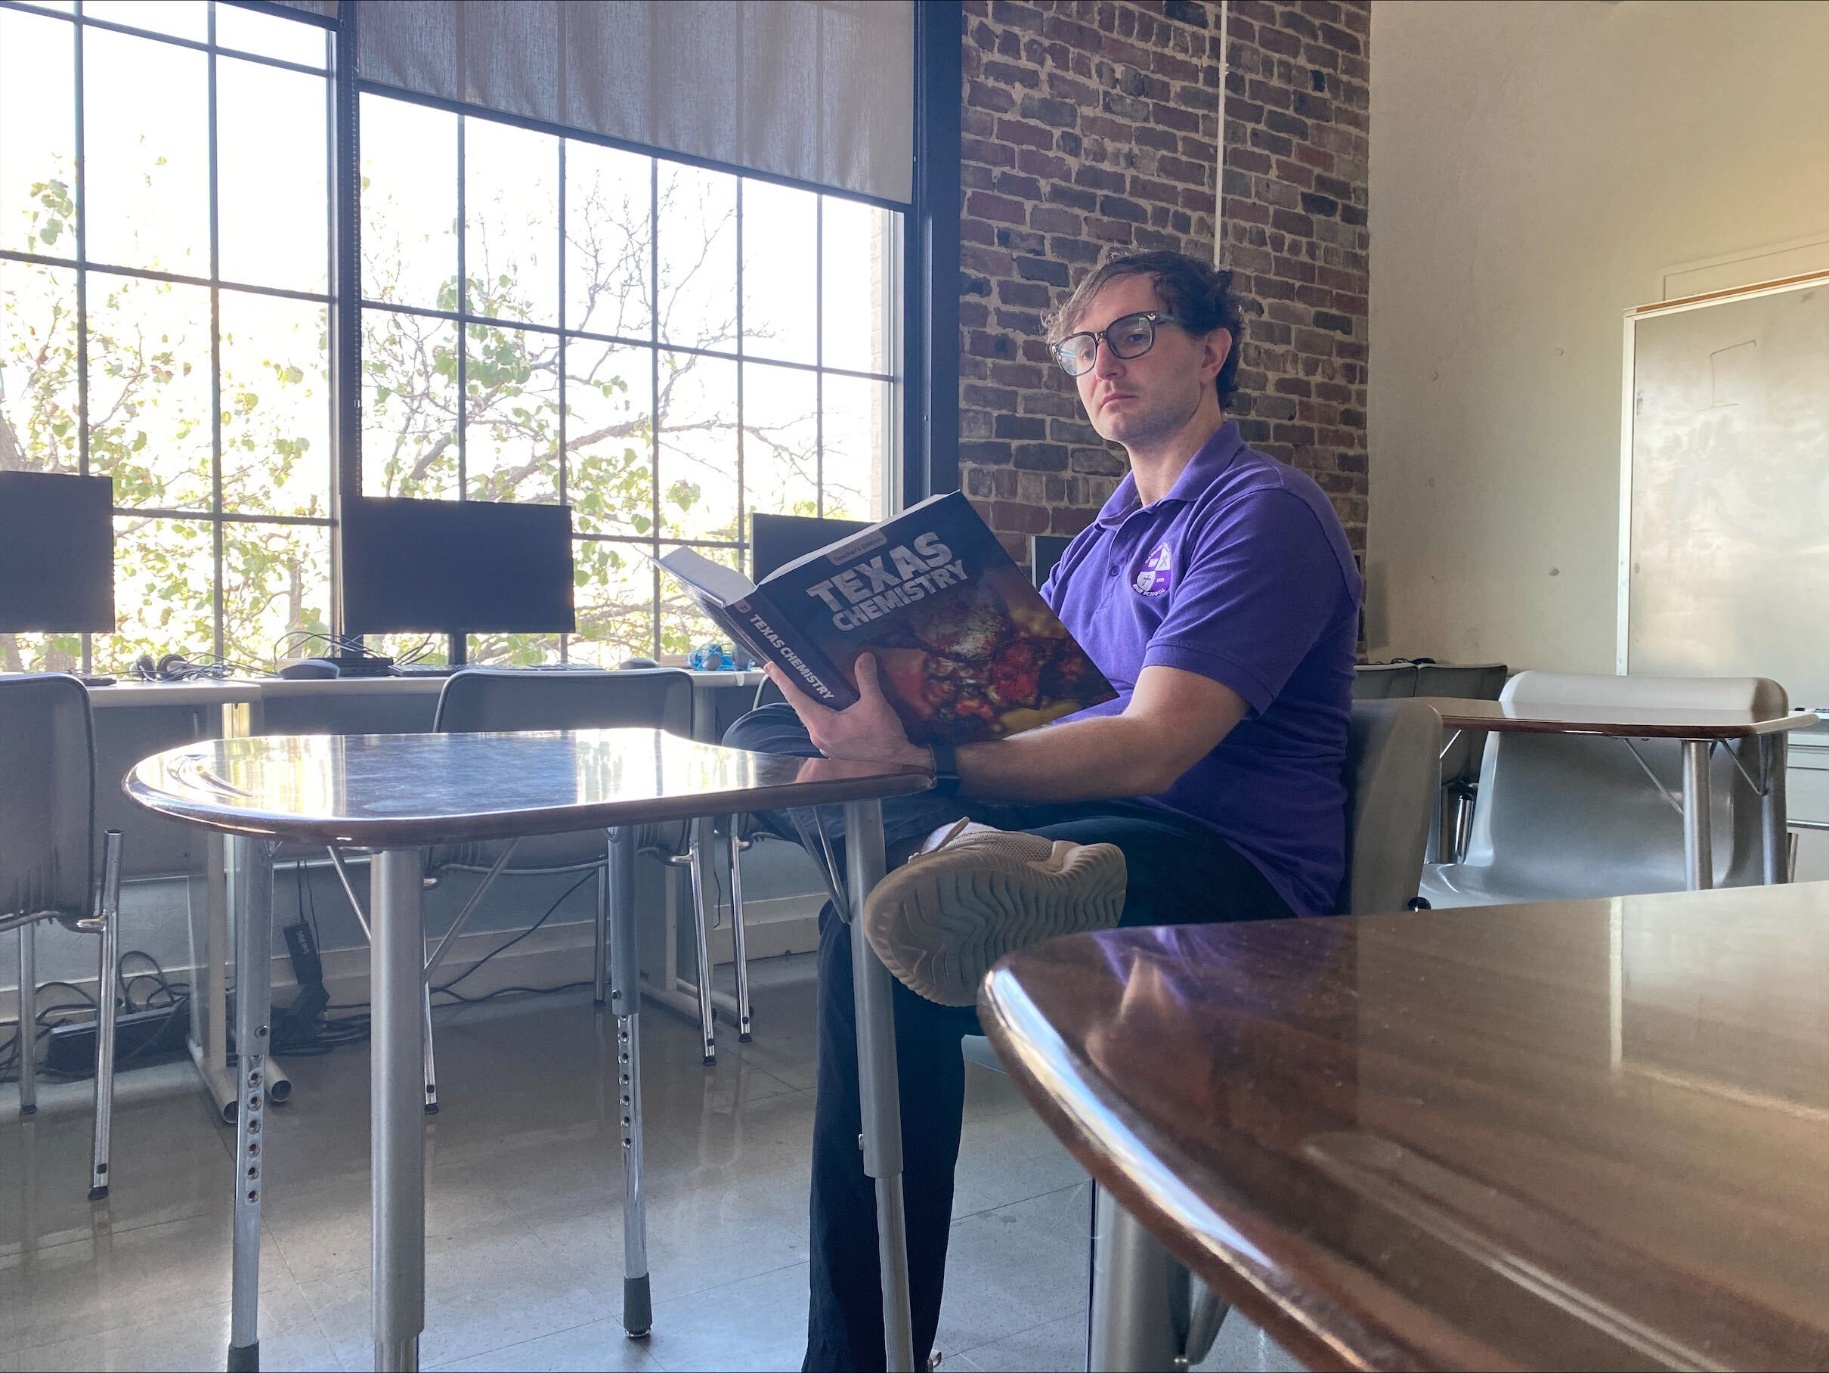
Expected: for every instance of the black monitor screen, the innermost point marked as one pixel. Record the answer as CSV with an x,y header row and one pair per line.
x,y
457,566
56,553
776,540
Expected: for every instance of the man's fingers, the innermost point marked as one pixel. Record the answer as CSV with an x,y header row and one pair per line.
x,y
804,705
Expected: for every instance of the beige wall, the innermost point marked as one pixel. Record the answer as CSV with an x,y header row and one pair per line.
x,y
1536,170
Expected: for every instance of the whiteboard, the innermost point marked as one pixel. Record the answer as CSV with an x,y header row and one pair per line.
x,y
1724,512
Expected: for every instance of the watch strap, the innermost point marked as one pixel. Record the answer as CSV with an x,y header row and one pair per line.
x,y
946,769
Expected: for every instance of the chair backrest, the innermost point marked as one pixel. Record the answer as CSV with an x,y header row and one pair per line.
x,y
1381,681
481,699
1391,752
1577,816
47,797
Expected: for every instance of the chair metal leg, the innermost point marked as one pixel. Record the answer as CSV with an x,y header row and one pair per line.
x,y
431,1067
28,1019
601,973
253,993
701,941
625,1004
108,921
739,945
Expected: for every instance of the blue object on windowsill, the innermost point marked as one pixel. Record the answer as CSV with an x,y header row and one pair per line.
x,y
711,658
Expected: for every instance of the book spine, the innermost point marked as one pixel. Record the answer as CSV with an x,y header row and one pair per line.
x,y
761,625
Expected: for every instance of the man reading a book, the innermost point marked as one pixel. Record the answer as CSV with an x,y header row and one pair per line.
x,y
1216,591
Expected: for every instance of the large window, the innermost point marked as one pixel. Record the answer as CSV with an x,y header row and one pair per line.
x,y
164,294
666,347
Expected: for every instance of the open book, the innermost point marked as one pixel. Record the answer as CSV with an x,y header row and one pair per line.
x,y
967,648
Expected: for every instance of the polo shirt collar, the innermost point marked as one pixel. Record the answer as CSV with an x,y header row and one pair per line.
x,y
1213,458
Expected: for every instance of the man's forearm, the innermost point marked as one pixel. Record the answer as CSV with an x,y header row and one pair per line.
x,y
1082,760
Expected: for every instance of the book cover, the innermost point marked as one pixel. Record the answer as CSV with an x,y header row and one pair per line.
x,y
968,650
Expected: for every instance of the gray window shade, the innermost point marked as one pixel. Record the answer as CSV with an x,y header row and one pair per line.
x,y
821,91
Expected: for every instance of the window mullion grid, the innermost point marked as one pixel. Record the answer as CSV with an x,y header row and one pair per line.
x,y
654,391
564,458
459,640
217,599
82,299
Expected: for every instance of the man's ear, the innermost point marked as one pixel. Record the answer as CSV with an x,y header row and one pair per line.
x,y
1217,348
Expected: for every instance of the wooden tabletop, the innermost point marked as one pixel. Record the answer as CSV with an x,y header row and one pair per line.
x,y
1585,1134
406,790
1625,722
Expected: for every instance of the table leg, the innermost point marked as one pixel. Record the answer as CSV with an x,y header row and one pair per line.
x,y
625,1004
1698,841
397,1109
877,1085
253,996
1772,762
1143,1317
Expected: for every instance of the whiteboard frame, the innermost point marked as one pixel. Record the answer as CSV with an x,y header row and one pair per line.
x,y
1623,611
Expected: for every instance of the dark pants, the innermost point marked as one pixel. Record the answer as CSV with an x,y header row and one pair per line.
x,y
1179,872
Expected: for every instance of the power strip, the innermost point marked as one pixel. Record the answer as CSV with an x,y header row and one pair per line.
x,y
142,1036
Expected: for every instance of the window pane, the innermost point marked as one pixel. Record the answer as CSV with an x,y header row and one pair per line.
x,y
860,425
275,406
426,650
697,233
149,391
683,626
39,420
409,204
269,35
511,222
275,582
146,153
780,440
512,410
858,244
179,18
607,263
615,602
409,406
164,580
37,135
698,447
41,652
780,272
512,650
609,479
272,187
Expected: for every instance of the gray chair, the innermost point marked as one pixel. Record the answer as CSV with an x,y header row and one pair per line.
x,y
47,868
1462,753
1382,681
1391,758
1563,817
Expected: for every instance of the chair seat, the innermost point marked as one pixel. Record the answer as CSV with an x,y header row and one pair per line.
x,y
1448,885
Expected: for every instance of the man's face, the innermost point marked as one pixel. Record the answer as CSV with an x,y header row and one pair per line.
x,y
1140,400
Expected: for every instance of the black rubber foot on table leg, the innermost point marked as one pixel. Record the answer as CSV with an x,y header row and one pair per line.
x,y
742,1039
711,1060
637,1310
244,1358
98,1193
28,1110
431,1108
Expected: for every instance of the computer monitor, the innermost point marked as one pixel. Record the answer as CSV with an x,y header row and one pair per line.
x,y
776,540
457,567
56,553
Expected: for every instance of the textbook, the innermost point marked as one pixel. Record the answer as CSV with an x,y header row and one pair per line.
x,y
966,648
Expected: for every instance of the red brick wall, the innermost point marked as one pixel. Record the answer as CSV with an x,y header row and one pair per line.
x,y
1092,123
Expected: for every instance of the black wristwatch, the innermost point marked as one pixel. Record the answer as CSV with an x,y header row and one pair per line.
x,y
946,769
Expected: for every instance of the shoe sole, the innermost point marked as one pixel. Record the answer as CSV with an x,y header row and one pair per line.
x,y
940,923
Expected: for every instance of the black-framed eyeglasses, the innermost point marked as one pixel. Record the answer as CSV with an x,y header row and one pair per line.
x,y
1128,336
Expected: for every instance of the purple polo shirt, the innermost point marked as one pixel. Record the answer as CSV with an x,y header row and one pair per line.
x,y
1241,573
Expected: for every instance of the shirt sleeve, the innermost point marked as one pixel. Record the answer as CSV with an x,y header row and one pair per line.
x,y
1257,593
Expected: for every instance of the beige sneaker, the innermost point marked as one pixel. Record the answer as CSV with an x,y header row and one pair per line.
x,y
945,916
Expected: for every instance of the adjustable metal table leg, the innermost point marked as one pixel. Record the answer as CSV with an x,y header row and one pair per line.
x,y
253,993
625,1004
877,1085
1698,841
397,1109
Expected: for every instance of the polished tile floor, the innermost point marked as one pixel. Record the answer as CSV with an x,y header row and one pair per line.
x,y
523,1220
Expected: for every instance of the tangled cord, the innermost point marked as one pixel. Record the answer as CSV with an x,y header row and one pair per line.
x,y
173,997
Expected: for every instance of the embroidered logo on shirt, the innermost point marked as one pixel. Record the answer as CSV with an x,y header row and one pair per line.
x,y
1153,576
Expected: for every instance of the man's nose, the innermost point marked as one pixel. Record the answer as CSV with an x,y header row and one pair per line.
x,y
1106,363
